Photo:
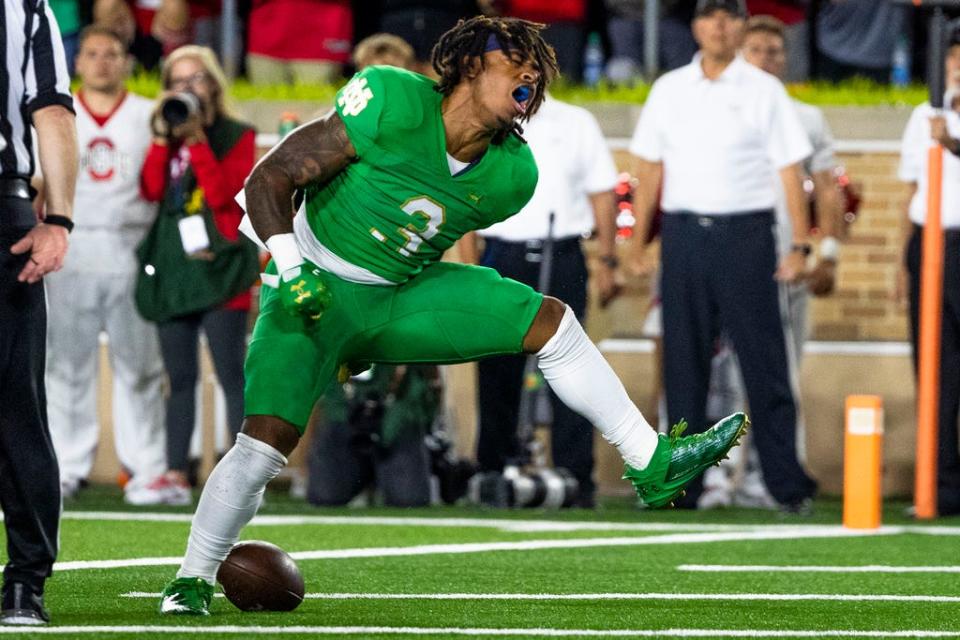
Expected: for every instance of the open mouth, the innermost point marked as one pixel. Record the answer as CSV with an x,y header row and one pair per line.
x,y
520,97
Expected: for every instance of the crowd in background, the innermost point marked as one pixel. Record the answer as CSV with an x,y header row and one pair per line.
x,y
279,41
151,162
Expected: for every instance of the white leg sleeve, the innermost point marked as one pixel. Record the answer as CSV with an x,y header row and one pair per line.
x,y
229,501
583,380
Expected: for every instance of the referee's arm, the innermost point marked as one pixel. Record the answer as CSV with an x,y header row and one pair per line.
x,y
49,106
57,148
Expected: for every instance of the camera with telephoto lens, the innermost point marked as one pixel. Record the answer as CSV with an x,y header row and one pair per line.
x,y
520,488
178,108
452,473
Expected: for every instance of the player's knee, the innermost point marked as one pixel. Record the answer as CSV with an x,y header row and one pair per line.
x,y
274,431
545,324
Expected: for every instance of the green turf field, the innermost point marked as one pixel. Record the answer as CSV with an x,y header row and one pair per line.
x,y
465,572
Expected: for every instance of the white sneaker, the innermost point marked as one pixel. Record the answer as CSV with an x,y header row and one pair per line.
x,y
752,494
716,489
161,490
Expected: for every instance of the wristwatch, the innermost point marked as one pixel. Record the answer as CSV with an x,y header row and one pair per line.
x,y
803,248
59,221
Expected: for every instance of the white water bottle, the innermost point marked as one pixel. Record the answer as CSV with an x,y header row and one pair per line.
x,y
900,67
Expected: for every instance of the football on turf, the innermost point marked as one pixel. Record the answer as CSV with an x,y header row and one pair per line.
x,y
259,576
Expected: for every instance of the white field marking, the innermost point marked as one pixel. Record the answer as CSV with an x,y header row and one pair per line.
x,y
829,347
475,632
783,533
515,526
765,568
764,597
380,521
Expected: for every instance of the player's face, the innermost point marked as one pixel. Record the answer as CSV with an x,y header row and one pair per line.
x,y
765,50
504,86
718,33
101,64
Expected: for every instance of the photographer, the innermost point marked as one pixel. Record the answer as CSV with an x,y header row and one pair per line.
x,y
199,159
372,433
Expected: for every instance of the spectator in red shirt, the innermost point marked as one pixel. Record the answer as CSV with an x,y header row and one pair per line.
x,y
203,161
293,41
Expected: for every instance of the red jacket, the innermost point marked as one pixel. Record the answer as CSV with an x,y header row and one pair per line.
x,y
220,180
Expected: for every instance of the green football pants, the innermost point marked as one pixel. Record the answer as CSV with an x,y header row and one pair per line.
x,y
448,313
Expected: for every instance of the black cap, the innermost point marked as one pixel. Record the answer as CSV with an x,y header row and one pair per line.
x,y
736,8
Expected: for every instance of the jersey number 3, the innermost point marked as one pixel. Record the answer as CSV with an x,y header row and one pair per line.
x,y
427,217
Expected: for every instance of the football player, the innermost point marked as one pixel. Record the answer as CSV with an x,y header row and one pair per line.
x,y
399,170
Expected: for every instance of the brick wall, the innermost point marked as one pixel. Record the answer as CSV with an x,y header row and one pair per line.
x,y
862,307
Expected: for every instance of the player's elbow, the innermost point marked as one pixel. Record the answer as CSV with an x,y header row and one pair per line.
x,y
268,177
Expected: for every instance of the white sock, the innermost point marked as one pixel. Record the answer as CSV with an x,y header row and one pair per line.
x,y
584,381
229,501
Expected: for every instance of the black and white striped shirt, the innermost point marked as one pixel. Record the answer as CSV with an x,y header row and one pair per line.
x,y
33,75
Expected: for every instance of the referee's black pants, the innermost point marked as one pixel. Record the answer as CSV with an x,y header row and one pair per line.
x,y
500,378
718,276
948,454
29,475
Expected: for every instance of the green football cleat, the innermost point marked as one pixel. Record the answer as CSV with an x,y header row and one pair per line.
x,y
679,459
187,596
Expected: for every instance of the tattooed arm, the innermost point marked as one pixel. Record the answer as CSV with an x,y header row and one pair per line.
x,y
314,152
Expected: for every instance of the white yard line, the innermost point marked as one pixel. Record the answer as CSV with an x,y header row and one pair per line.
x,y
771,568
763,597
480,632
505,524
780,533
825,347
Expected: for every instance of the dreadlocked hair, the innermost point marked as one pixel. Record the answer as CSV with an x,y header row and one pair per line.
x,y
454,53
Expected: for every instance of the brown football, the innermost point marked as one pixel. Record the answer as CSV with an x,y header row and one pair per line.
x,y
259,576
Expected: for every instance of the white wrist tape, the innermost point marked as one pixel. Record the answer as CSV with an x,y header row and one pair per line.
x,y
829,248
286,254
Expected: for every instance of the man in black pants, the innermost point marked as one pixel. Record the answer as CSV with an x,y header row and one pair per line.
x,y
33,74
714,135
577,177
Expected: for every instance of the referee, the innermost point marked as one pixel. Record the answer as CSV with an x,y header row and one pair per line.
x,y
36,90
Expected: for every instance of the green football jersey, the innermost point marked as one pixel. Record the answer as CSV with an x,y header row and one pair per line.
x,y
397,208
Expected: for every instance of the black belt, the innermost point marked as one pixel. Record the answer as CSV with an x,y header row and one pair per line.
x,y
16,188
559,244
710,219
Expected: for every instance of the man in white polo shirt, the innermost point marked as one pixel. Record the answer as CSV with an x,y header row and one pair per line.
x,y
577,177
736,481
925,126
714,135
